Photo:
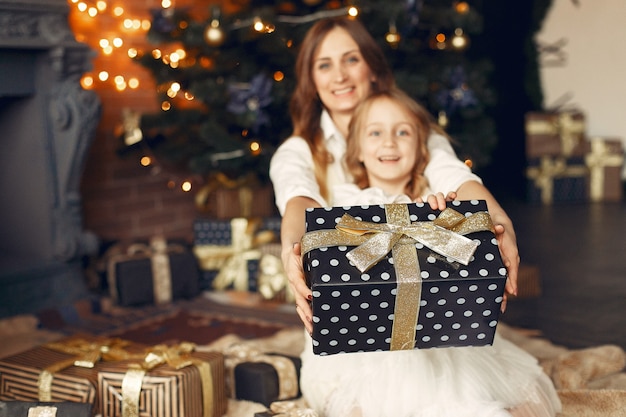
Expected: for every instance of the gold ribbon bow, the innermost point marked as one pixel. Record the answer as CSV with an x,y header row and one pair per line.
x,y
290,409
569,130
548,170
287,375
232,261
178,357
158,251
597,160
375,240
86,355
273,283
218,181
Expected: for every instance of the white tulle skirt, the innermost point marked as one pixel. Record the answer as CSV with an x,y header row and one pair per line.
x,y
490,381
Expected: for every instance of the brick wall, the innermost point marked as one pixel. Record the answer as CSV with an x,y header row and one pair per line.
x,y
123,200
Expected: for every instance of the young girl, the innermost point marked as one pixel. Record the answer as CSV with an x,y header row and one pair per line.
x,y
387,154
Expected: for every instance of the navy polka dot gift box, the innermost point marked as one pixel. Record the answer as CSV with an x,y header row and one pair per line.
x,y
402,276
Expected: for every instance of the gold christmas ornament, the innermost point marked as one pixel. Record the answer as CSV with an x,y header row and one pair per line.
x,y
213,34
393,37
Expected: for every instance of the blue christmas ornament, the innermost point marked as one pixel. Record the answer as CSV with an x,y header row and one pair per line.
x,y
249,99
458,95
162,20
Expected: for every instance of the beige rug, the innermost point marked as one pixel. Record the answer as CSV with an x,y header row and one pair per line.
x,y
591,382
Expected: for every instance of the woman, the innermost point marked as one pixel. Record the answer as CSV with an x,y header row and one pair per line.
x,y
338,65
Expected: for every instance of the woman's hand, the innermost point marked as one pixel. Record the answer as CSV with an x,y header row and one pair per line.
x,y
437,201
505,233
292,261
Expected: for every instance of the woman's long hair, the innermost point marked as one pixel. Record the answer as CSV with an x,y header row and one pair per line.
x,y
306,107
422,119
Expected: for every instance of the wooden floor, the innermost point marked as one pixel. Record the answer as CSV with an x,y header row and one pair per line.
x,y
581,252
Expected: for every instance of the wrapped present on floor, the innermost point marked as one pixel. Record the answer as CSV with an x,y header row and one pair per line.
x,y
62,371
287,409
228,251
605,163
558,180
169,381
44,409
156,273
555,134
224,198
261,377
402,276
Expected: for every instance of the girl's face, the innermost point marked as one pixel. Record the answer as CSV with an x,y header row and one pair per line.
x,y
388,145
341,76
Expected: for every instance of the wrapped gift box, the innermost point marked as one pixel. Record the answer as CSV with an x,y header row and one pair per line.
x,y
555,134
44,409
153,274
227,202
64,371
229,249
260,381
419,294
179,384
605,162
554,180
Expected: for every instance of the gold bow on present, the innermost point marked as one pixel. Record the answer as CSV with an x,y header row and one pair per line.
x,y
177,357
290,409
374,241
570,130
158,251
236,354
548,170
600,158
232,261
86,355
273,283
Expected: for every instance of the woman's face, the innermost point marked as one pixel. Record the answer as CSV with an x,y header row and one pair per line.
x,y
388,145
341,76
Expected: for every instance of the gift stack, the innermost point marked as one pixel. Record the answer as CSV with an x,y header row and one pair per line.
x,y
118,378
241,254
565,166
154,273
402,276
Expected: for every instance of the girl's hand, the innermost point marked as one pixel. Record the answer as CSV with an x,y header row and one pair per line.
x,y
437,201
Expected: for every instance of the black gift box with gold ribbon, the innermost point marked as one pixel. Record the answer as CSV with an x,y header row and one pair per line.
x,y
154,273
557,179
402,276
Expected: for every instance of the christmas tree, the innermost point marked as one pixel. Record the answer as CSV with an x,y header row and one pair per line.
x,y
224,82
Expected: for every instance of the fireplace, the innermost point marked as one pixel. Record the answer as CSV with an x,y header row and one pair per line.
x,y
47,123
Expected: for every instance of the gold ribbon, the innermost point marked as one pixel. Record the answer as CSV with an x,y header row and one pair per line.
x,y
42,411
177,357
232,261
86,355
548,170
569,129
273,283
158,251
290,409
597,160
374,241
220,181
287,375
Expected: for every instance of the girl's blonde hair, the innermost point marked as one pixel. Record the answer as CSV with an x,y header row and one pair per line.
x,y
424,123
